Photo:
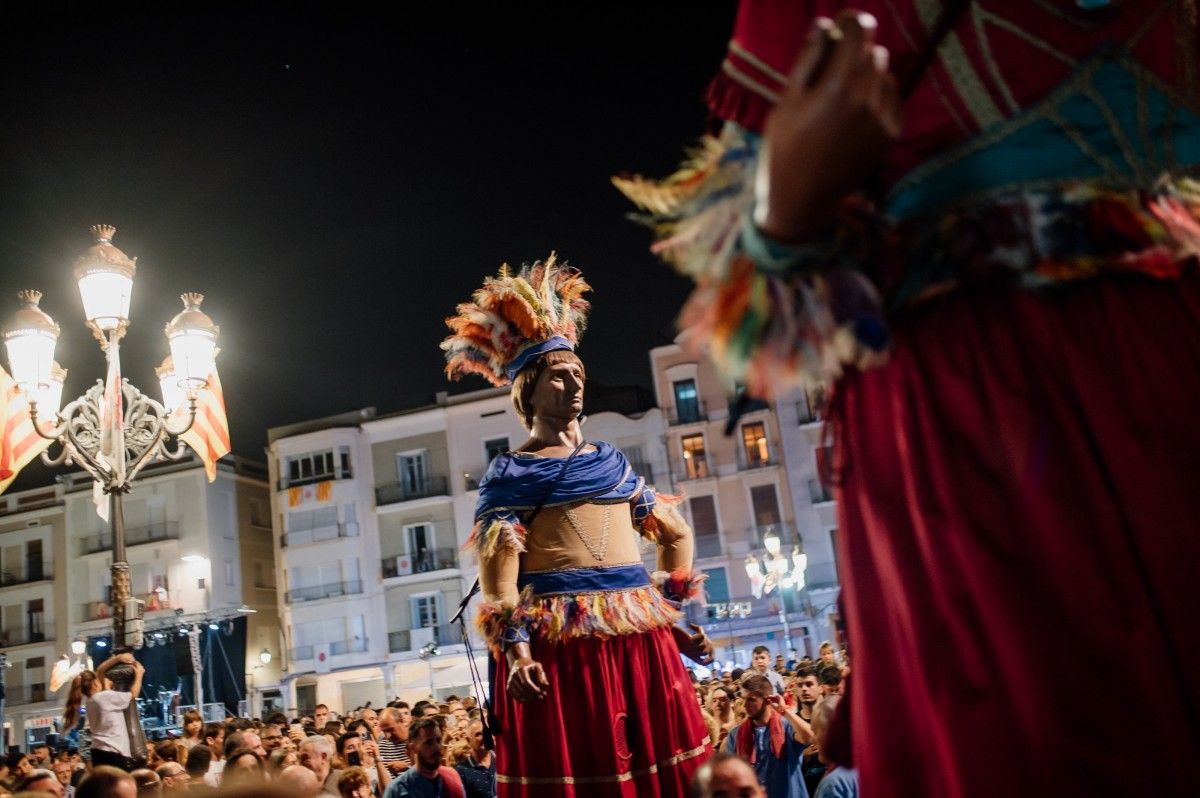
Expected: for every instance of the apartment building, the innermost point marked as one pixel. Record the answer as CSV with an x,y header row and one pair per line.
x,y
756,483
56,584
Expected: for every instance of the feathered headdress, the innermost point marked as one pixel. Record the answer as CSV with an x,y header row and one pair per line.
x,y
514,318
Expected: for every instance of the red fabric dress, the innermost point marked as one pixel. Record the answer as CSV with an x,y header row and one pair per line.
x,y
1019,485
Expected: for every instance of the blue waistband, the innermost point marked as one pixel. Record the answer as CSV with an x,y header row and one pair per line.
x,y
585,580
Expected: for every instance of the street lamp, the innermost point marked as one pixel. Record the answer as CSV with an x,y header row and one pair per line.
x,y
264,656
427,653
113,429
776,571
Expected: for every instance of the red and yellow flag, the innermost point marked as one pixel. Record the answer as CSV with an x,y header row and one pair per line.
x,y
209,435
19,441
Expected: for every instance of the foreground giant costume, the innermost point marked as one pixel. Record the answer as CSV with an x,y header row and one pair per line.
x,y
1009,312
590,695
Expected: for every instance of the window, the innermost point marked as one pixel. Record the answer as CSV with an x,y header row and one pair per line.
x,y
424,610
413,470
754,444
421,547
37,620
704,516
344,462
310,467
264,574
765,506
716,586
495,447
258,513
687,401
695,465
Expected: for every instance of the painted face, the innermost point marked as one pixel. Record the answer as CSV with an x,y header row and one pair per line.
x,y
559,391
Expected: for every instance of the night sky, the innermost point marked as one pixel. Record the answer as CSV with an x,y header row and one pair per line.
x,y
335,185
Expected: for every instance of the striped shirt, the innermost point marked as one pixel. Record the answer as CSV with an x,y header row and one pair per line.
x,y
392,751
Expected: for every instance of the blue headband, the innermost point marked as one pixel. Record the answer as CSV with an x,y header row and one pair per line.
x,y
530,352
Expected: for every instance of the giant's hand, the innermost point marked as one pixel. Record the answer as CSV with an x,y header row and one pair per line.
x,y
696,646
829,130
526,679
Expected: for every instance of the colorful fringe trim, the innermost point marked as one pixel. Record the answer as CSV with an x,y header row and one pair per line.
x,y
661,517
492,533
773,317
558,618
680,585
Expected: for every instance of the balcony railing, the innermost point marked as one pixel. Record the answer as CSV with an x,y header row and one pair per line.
x,y
687,414
708,545
422,562
134,536
154,601
748,461
355,646
407,491
694,468
784,530
472,478
26,694
20,637
302,653
350,588
320,534
818,492
284,483
34,571
444,635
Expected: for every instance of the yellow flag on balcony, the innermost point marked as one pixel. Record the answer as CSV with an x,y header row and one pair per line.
x,y
324,490
19,441
209,435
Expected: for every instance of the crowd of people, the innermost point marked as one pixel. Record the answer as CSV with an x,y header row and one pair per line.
x,y
767,722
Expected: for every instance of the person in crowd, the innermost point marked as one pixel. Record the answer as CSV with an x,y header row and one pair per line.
x,y
393,738
106,781
18,766
726,776
316,754
424,709
825,654
760,662
64,771
772,739
39,780
428,777
243,766
279,759
829,679
565,590
40,754
170,750
110,743
807,693
320,716
371,718
354,783
193,728
478,769
357,749
149,785
214,741
246,739
272,737
174,777
720,706
300,781
838,782
199,762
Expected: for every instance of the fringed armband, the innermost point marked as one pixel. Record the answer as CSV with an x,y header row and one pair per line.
x,y
679,586
500,626
496,531
655,516
772,315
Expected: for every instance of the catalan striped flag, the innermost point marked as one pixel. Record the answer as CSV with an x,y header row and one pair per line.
x,y
209,435
19,441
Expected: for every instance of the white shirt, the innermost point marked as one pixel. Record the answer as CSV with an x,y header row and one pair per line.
x,y
106,719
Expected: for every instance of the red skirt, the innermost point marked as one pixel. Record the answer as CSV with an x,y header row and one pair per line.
x,y
1019,509
620,719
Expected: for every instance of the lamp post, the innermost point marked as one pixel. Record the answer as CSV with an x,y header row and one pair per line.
x,y
427,653
776,571
113,429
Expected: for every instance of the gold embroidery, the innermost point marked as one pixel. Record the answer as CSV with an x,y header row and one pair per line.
x,y
966,81
613,779
749,82
1127,151
932,77
985,48
756,62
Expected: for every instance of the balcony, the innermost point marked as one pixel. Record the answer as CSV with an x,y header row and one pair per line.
x,y
784,530
300,653
692,413
406,491
155,601
134,536
750,460
34,571
321,534
818,492
315,592
20,637
444,635
284,483
708,545
694,468
355,646
643,469
16,695
419,563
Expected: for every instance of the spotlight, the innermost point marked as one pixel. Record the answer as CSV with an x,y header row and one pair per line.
x,y
102,643
214,625
159,636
